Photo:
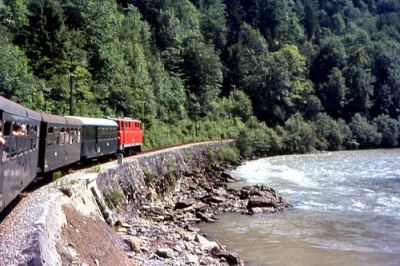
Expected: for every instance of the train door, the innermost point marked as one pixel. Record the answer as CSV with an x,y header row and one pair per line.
x,y
98,149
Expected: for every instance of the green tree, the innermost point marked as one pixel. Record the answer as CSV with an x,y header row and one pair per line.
x,y
365,134
389,128
299,136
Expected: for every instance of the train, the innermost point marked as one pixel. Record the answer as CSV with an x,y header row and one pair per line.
x,y
35,144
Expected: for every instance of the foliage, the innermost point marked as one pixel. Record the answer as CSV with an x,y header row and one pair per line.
x,y
57,175
299,137
364,133
170,175
223,155
149,176
258,140
114,197
199,70
330,134
389,128
94,169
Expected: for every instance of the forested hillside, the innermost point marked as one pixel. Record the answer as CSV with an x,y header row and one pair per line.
x,y
286,75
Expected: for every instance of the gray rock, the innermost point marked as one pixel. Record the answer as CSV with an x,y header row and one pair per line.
x,y
204,243
165,253
230,257
182,204
192,259
134,243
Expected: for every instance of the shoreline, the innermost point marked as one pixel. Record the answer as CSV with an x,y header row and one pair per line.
x,y
167,233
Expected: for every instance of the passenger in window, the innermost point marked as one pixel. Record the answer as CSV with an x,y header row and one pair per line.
x,y
23,131
18,129
2,139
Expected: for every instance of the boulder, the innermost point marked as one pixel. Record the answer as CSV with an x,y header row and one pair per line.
x,y
206,244
133,243
165,253
230,257
182,204
192,259
261,202
204,217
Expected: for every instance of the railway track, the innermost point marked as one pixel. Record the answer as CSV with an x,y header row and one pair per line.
x,y
47,179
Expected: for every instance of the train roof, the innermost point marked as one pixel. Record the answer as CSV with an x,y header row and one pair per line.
x,y
56,119
17,109
88,121
126,119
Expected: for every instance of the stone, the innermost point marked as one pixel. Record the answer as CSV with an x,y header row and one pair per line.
x,y
189,237
204,243
192,259
178,249
132,232
230,257
261,202
134,243
204,217
209,260
121,229
182,204
166,253
217,199
229,177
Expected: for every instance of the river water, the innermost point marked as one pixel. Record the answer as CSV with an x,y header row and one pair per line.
x,y
346,211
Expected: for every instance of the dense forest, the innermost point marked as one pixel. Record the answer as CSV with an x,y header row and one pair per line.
x,y
284,75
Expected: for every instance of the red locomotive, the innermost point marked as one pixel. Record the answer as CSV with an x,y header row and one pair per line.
x,y
130,135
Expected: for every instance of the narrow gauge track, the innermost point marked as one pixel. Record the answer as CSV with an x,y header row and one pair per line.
x,y
76,167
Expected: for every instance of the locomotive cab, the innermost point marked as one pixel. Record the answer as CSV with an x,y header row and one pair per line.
x,y
130,135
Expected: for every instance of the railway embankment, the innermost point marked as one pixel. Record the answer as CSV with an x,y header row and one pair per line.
x,y
140,212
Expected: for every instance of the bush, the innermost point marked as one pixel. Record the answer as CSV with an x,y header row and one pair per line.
x,y
258,140
221,156
57,175
365,134
114,197
170,175
389,128
149,177
299,135
328,132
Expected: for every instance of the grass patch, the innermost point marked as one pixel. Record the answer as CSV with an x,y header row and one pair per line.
x,y
170,175
57,175
149,176
94,169
221,156
114,198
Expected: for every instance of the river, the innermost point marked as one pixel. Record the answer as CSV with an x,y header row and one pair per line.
x,y
346,211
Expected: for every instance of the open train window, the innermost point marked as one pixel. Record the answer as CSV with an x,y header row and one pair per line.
x,y
62,138
79,136
8,128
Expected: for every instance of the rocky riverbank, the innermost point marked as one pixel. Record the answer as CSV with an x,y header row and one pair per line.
x,y
141,212
164,232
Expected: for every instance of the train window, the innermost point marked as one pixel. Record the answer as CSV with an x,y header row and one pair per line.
x,y
50,140
57,135
63,133
50,130
35,135
7,128
79,136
